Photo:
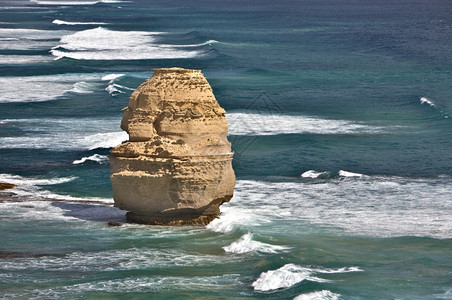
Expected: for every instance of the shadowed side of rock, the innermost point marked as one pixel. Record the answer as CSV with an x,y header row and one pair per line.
x,y
176,167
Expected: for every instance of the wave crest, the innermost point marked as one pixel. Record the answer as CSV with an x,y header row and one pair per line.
x,y
245,245
290,274
105,44
275,124
320,295
61,22
95,158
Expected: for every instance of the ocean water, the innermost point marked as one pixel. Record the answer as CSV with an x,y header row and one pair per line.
x,y
339,117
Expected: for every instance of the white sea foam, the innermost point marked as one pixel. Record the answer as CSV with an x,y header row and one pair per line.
x,y
23,59
320,295
64,134
273,124
73,2
116,260
246,244
29,39
349,174
104,44
61,22
30,189
105,140
83,87
115,89
367,205
290,274
30,182
315,174
111,77
133,284
232,218
95,157
425,100
284,277
206,43
45,88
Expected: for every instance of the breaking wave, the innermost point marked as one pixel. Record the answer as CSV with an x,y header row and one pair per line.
x,y
61,22
232,218
349,174
320,295
425,100
83,87
45,87
23,59
290,274
312,174
30,189
105,44
95,158
380,206
272,124
246,244
73,3
29,39
64,134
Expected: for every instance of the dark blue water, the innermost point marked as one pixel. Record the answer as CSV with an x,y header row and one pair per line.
x,y
339,117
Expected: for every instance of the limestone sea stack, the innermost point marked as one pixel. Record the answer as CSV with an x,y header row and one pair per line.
x,y
176,167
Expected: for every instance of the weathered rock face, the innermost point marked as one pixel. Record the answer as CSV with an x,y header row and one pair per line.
x,y
176,167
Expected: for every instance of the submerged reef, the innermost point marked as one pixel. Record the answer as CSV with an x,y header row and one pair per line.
x,y
176,167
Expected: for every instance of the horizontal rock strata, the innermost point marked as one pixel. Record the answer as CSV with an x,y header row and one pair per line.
x,y
176,166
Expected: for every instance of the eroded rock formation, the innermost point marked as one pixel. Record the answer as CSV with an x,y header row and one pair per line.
x,y
176,166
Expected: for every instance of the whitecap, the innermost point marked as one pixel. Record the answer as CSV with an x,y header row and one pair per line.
x,y
284,277
111,77
314,174
95,157
44,87
112,90
115,89
206,43
29,39
61,22
120,259
34,181
105,140
232,218
274,124
105,44
64,134
380,206
133,284
245,245
425,100
83,87
291,274
23,59
30,189
320,295
338,270
349,174
73,3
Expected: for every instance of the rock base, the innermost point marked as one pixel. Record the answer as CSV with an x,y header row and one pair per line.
x,y
169,220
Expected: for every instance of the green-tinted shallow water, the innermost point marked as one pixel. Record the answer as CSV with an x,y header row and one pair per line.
x,y
338,115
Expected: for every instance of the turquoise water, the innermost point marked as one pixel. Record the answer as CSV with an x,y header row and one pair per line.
x,y
339,119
